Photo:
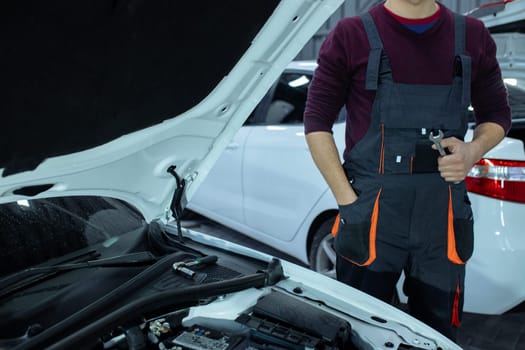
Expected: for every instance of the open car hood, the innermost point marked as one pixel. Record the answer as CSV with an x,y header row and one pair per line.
x,y
104,97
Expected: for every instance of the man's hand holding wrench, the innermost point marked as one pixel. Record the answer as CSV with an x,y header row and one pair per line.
x,y
454,166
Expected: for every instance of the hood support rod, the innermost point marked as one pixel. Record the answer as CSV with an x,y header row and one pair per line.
x,y
176,206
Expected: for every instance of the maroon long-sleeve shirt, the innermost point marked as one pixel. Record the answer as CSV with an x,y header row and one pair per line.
x,y
425,58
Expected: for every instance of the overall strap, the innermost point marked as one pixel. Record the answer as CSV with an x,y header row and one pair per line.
x,y
376,59
459,33
462,63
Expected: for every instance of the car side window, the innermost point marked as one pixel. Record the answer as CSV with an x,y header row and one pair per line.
x,y
284,103
289,99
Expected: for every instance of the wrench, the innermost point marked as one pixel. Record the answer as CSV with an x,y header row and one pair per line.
x,y
437,141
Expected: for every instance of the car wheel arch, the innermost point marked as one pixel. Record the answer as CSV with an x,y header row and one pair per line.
x,y
319,220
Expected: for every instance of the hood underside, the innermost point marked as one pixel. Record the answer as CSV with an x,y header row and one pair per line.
x,y
81,73
102,97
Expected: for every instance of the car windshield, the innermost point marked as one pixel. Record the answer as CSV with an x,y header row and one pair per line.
x,y
35,231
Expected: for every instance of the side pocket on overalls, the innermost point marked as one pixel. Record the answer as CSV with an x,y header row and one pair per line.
x,y
356,240
460,225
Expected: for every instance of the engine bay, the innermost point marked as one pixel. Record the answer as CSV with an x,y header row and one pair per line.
x,y
148,290
277,321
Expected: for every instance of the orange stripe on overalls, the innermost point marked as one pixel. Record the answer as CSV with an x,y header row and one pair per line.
x,y
451,246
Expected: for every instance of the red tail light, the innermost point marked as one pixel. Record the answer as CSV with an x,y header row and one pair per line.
x,y
497,178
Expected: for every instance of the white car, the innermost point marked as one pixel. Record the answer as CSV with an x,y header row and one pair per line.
x,y
266,186
109,126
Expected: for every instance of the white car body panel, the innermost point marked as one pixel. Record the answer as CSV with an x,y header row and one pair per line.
x,y
499,246
227,198
493,272
513,11
270,182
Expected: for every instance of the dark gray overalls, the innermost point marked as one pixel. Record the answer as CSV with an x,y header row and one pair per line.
x,y
407,218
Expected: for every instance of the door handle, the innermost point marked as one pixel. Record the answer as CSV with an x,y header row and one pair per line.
x,y
232,146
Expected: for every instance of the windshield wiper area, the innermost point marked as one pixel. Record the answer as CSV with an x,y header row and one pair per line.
x,y
15,281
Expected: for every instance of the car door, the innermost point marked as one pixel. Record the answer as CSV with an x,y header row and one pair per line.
x,y
280,180
220,196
